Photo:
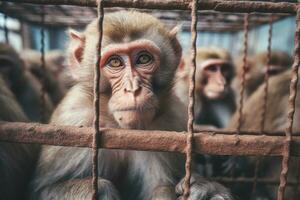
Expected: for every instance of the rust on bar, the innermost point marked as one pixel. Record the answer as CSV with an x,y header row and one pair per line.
x,y
96,134
266,81
190,127
291,112
245,53
217,5
206,142
269,181
43,117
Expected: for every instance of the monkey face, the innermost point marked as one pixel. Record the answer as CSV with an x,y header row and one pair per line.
x,y
215,78
130,67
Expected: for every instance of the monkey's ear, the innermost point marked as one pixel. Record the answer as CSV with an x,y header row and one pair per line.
x,y
174,41
173,32
76,47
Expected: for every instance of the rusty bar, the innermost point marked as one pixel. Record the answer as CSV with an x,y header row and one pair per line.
x,y
43,66
6,32
291,112
190,127
204,142
266,85
97,102
245,52
217,5
243,180
255,178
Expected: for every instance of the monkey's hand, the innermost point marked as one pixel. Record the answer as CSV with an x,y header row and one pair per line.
x,y
202,189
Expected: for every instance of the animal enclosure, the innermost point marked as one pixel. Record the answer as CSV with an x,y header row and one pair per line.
x,y
195,15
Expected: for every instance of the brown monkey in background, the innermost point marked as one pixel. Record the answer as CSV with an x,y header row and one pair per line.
x,y
16,160
25,87
139,59
255,71
53,76
214,98
276,120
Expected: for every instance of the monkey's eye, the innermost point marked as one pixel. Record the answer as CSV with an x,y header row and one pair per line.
x,y
115,62
212,68
144,58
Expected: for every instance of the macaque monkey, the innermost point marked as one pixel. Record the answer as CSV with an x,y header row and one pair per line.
x,y
138,60
276,120
255,71
25,87
214,99
53,76
16,160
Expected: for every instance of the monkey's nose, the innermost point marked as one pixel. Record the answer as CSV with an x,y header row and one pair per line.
x,y
132,88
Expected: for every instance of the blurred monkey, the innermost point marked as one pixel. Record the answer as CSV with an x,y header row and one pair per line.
x,y
16,160
276,120
214,99
255,70
25,87
53,76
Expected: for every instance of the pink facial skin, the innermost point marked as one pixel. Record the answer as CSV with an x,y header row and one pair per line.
x,y
129,68
216,85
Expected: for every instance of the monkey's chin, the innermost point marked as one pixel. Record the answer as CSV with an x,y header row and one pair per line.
x,y
134,119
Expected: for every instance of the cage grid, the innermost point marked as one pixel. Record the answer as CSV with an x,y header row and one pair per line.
x,y
217,142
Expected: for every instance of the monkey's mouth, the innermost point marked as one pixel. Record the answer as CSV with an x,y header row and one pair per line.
x,y
133,109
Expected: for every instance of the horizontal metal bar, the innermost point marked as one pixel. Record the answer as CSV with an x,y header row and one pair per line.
x,y
206,142
245,180
217,5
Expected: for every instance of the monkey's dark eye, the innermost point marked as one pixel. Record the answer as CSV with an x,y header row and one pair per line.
x,y
144,58
212,68
273,71
115,62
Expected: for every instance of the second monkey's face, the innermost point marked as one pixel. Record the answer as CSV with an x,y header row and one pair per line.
x,y
130,68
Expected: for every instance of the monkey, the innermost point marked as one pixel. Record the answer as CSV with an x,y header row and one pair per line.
x,y
214,98
52,76
255,71
139,56
23,84
275,120
16,160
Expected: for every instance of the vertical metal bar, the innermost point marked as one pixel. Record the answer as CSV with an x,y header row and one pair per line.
x,y
190,134
246,31
290,117
266,85
6,32
265,98
42,51
97,101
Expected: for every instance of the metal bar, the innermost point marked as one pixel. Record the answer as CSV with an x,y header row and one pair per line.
x,y
217,5
243,180
97,102
43,67
190,127
6,32
245,54
291,111
204,143
266,84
